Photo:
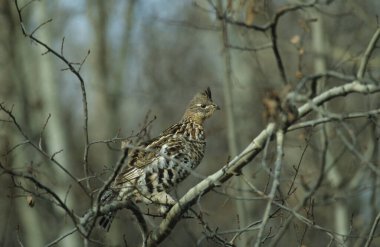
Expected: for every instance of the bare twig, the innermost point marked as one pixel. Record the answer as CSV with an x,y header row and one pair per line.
x,y
37,148
101,210
42,131
337,117
276,51
367,54
272,27
275,19
15,147
327,74
39,26
291,190
275,184
60,238
40,186
19,238
74,71
116,171
83,61
352,148
211,233
63,41
372,232
141,221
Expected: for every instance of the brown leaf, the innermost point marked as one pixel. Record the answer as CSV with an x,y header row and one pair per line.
x,y
30,200
299,74
229,6
271,102
250,14
295,40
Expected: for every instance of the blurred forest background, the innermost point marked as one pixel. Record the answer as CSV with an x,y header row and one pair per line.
x,y
143,60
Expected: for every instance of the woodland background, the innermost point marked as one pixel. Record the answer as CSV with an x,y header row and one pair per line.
x,y
141,62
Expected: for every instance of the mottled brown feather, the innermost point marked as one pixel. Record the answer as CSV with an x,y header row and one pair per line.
x,y
150,171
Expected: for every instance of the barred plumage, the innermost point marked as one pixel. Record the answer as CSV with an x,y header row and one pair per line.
x,y
157,165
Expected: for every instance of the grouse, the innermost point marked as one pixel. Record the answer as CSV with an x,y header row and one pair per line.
x,y
156,166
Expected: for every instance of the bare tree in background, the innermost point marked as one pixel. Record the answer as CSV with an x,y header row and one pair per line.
x,y
292,160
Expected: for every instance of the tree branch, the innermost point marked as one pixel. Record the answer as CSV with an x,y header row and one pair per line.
x,y
74,71
37,148
249,153
367,54
275,184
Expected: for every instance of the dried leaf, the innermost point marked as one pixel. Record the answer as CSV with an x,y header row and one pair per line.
x,y
295,40
250,14
299,74
229,6
271,102
30,201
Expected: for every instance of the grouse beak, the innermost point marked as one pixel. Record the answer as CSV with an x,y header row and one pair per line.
x,y
216,107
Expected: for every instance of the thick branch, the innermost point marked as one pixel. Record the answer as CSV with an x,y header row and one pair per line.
x,y
335,117
207,184
353,87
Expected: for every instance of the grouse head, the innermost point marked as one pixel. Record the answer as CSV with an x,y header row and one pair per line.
x,y
201,107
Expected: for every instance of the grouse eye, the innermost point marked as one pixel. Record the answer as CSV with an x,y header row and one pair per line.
x,y
203,106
